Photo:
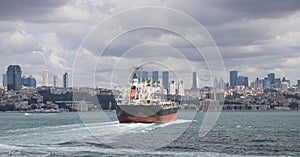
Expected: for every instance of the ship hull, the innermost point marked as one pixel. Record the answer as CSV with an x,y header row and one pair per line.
x,y
145,114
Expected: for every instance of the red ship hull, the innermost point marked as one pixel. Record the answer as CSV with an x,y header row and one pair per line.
x,y
151,119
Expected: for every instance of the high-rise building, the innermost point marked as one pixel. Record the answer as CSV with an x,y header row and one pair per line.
x,y
271,78
240,81
246,81
172,88
181,88
165,79
144,75
298,83
13,74
216,83
221,84
155,76
278,83
233,78
194,85
65,80
55,80
45,78
29,81
4,80
284,86
260,84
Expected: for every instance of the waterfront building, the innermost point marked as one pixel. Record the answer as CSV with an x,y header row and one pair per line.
x,y
65,80
13,74
45,78
155,76
165,79
233,78
194,85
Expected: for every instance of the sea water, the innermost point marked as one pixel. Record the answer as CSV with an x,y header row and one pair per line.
x,y
68,134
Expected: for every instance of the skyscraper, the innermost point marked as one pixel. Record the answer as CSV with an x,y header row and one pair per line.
x,y
194,85
29,81
271,78
13,74
246,81
172,88
55,80
144,75
181,88
165,79
65,80
4,80
221,84
155,76
233,78
240,81
216,83
45,78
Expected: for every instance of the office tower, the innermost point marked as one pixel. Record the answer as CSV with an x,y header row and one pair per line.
x,y
240,81
252,85
29,81
246,81
267,84
144,75
172,88
165,79
194,85
65,80
233,78
13,74
55,80
260,84
284,86
216,83
221,84
45,78
278,83
298,83
181,88
155,76
271,78
4,80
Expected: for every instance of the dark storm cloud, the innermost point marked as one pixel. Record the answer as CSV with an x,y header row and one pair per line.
x,y
258,8
16,10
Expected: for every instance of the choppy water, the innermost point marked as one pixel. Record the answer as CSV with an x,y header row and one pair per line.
x,y
64,134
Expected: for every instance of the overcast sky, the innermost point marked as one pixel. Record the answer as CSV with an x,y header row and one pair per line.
x,y
254,37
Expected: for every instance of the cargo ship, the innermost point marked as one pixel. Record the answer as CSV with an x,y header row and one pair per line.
x,y
144,102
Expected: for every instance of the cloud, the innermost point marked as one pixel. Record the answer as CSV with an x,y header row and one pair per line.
x,y
255,37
